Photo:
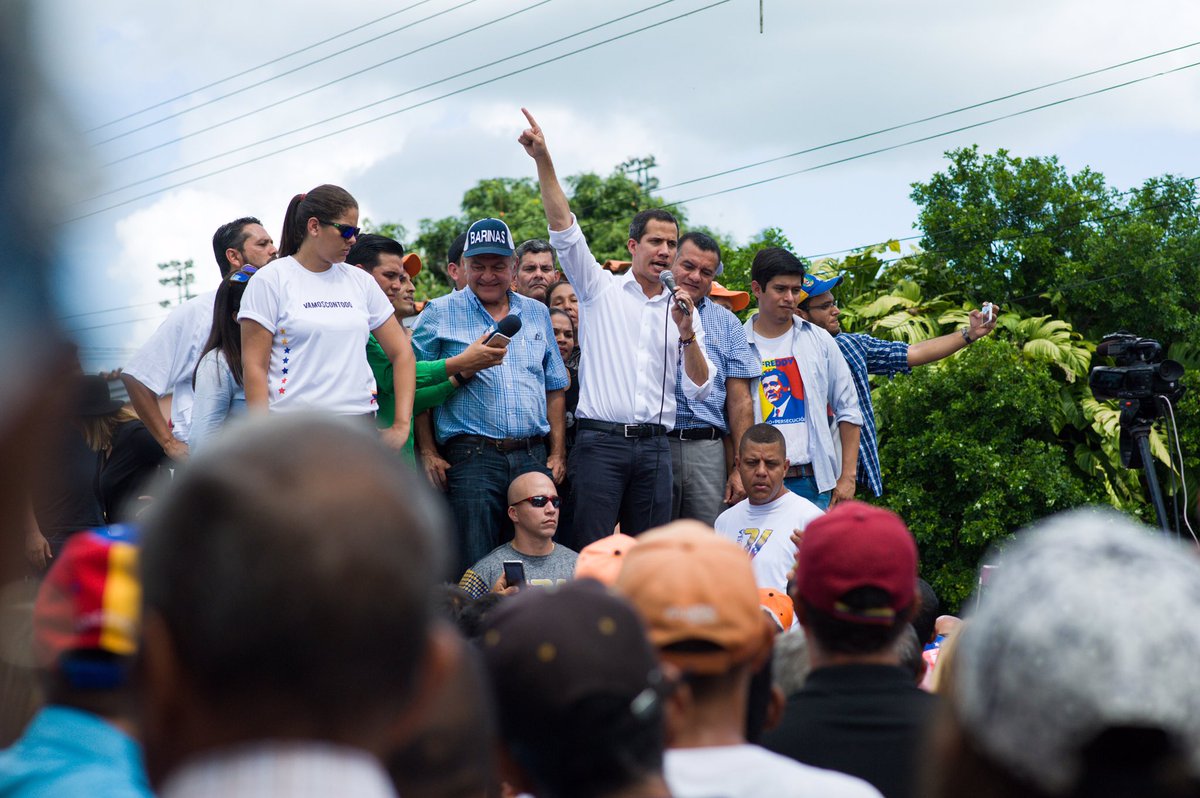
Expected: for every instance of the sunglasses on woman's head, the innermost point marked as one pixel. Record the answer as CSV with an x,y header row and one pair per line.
x,y
243,274
539,501
348,231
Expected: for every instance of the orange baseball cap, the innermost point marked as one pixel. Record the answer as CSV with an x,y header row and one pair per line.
x,y
779,604
697,594
739,299
412,264
602,559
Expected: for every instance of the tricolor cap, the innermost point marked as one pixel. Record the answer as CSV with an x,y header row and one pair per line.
x,y
814,286
88,603
602,559
488,237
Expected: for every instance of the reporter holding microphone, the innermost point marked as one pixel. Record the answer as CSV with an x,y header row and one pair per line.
x,y
491,429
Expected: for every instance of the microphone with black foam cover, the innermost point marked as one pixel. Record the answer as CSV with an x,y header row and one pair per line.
x,y
666,278
506,328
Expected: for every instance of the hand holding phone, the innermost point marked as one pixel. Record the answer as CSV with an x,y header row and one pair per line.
x,y
514,573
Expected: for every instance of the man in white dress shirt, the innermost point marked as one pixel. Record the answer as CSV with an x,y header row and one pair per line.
x,y
634,339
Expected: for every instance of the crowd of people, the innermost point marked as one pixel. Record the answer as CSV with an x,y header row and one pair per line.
x,y
589,535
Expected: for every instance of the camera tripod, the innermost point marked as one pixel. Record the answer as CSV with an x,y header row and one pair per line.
x,y
1135,450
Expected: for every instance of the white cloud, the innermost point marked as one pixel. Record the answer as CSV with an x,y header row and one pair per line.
x,y
702,94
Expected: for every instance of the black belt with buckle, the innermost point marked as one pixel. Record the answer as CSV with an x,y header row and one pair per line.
x,y
624,430
502,444
801,470
697,434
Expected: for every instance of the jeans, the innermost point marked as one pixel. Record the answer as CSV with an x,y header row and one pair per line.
x,y
477,490
619,479
807,487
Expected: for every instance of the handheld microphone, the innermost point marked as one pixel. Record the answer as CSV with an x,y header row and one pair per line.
x,y
506,328
667,279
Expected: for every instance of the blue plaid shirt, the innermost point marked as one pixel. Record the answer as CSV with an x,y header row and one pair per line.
x,y
725,342
505,401
868,355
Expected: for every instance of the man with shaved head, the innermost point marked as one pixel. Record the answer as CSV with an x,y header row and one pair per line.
x,y
533,505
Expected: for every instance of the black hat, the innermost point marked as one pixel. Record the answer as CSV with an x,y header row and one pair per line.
x,y
551,648
94,398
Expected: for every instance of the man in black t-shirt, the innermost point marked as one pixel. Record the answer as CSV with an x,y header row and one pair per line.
x,y
859,711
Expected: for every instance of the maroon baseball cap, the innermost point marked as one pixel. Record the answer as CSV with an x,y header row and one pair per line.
x,y
857,545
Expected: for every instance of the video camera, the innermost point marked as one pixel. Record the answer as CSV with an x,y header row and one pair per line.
x,y
1140,373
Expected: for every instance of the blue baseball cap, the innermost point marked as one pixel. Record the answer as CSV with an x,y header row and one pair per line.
x,y
488,237
813,286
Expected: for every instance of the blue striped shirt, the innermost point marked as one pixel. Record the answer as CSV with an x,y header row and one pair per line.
x,y
505,401
725,342
865,355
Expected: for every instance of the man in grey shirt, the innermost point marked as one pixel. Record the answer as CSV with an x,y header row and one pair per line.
x,y
533,505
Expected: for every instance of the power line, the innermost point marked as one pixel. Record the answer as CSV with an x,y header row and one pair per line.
x,y
118,323
347,113
325,85
1067,207
488,81
933,136
264,64
1054,235
108,310
893,128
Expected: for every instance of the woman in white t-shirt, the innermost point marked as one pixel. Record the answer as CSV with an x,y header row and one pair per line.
x,y
305,321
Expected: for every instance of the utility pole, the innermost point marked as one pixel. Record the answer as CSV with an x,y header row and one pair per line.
x,y
641,168
182,279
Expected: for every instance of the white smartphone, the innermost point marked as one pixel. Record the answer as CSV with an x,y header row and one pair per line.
x,y
498,338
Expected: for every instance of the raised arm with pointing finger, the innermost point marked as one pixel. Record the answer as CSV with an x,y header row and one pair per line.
x,y
634,337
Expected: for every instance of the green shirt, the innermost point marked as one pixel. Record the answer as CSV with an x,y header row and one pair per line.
x,y
433,388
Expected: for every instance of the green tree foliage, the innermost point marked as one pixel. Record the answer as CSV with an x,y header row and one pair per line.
x,y
603,205
738,260
970,455
432,280
1024,232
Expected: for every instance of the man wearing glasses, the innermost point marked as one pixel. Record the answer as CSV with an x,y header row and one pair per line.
x,y
533,506
866,355
505,420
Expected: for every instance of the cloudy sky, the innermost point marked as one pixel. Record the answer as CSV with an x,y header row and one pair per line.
x,y
191,114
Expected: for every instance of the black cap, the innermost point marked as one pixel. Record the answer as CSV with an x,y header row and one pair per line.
x,y
549,649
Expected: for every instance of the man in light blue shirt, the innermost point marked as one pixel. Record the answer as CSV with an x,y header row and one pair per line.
x,y
495,427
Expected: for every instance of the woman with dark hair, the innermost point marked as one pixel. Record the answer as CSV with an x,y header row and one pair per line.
x,y
564,336
127,456
306,320
217,381
561,297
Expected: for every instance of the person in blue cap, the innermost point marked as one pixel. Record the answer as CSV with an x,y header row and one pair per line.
x,y
869,355
506,420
